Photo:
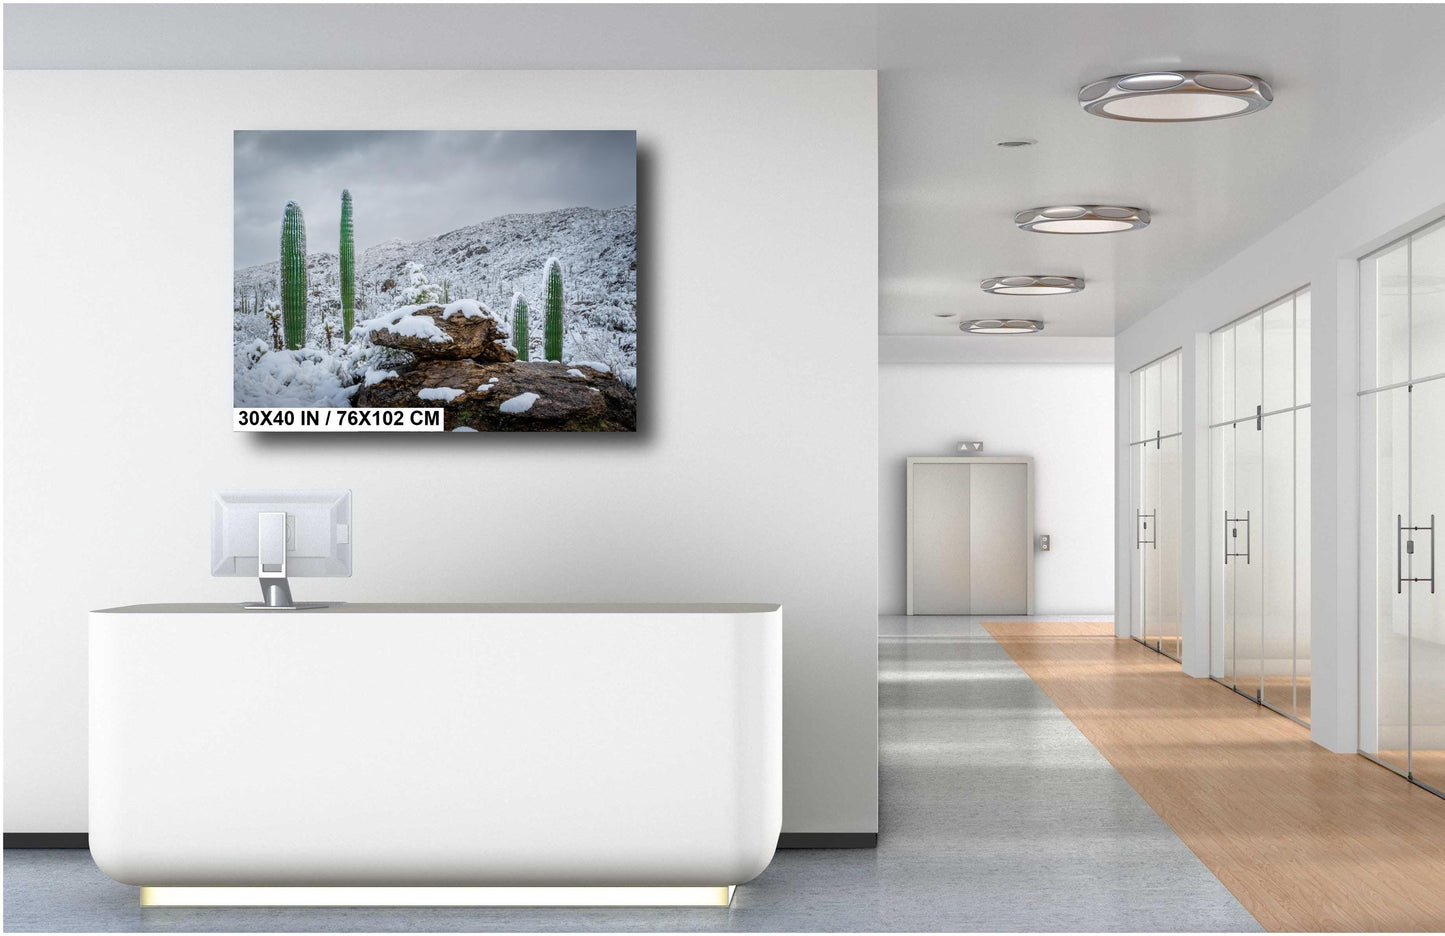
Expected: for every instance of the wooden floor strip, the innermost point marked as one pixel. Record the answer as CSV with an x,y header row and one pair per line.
x,y
1307,840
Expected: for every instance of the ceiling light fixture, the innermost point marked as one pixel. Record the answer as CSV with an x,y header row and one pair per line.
x,y
1001,326
1082,219
944,314
1015,144
1175,96
1032,285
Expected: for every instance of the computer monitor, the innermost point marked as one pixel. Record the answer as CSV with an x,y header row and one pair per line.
x,y
273,535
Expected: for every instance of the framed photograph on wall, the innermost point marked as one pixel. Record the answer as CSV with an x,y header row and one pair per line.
x,y
435,281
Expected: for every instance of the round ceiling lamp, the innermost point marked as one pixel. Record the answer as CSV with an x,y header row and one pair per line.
x,y
1001,326
1082,219
1032,285
1175,96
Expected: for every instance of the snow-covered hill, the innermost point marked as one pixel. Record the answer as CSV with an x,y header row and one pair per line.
x,y
486,262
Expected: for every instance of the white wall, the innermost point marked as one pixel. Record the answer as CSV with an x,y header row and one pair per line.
x,y
1062,414
754,476
1319,247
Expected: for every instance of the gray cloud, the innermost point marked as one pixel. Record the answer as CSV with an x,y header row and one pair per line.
x,y
416,184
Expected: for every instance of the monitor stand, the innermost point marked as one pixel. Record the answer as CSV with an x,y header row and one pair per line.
x,y
271,563
276,596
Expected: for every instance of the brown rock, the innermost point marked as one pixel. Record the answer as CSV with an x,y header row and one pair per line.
x,y
478,338
593,402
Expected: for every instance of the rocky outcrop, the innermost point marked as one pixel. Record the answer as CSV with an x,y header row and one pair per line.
x,y
476,337
526,396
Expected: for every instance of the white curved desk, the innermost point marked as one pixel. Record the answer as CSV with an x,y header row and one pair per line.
x,y
438,747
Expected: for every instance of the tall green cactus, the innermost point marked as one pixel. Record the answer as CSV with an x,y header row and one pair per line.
x,y
520,336
552,332
348,267
293,276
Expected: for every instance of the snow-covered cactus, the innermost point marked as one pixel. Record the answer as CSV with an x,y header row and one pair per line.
x,y
552,330
418,289
293,276
348,265
520,336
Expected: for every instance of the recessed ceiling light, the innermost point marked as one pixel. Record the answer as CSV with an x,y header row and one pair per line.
x,y
1082,219
944,314
1001,326
1032,285
1015,144
1174,96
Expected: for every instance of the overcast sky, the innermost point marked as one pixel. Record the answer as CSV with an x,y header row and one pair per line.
x,y
416,184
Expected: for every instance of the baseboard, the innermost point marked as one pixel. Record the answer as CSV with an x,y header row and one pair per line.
x,y
828,840
47,840
786,840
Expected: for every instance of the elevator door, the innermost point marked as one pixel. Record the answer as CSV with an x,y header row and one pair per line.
x,y
970,536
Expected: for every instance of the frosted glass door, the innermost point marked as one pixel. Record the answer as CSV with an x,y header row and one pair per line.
x,y
1143,534
1427,600
1244,562
1402,502
1164,617
1276,561
1385,602
1221,582
1155,489
1259,484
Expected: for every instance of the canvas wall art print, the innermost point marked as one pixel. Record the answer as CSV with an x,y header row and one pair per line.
x,y
444,281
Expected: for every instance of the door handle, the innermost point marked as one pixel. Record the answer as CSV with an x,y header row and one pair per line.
x,y
1142,536
1409,544
1231,532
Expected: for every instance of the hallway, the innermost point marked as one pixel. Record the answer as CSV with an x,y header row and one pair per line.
x,y
1308,840
997,815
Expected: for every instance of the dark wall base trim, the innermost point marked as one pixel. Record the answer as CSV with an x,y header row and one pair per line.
x,y
47,840
828,840
786,840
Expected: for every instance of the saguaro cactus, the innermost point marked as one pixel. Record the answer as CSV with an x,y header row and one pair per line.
x,y
293,276
348,267
552,331
520,336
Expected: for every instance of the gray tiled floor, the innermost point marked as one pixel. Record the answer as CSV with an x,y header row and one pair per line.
x,y
997,814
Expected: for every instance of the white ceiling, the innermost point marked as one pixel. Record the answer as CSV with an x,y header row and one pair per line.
x,y
1350,82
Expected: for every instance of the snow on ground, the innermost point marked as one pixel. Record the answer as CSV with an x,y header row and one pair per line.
x,y
519,404
574,372
464,429
439,393
306,377
374,377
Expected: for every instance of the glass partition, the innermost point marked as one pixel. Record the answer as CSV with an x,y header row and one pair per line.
x,y
1259,497
1402,502
1155,446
